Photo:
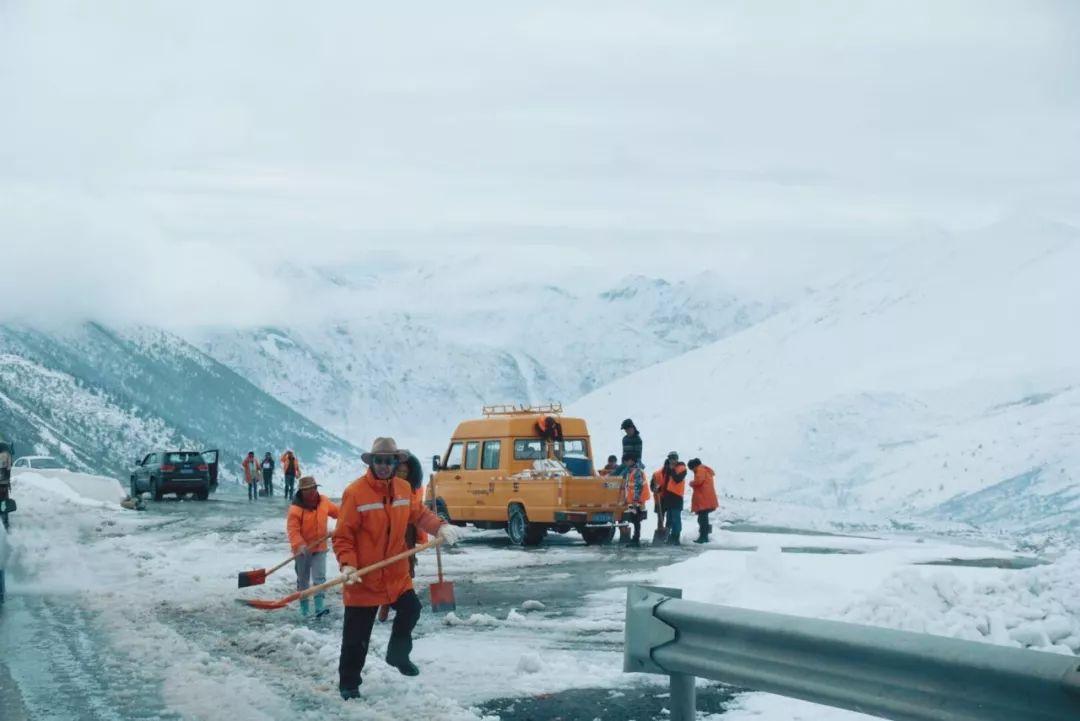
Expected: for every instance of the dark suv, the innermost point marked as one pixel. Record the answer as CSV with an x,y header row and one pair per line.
x,y
179,472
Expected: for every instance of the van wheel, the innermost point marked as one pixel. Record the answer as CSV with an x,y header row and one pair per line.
x,y
521,532
441,512
598,536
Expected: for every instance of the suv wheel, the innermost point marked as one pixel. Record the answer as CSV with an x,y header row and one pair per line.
x,y
203,495
154,492
134,489
521,532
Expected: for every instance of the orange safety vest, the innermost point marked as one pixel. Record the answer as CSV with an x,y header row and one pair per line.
x,y
670,484
307,525
288,462
371,527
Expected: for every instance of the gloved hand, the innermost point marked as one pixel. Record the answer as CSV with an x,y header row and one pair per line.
x,y
348,571
450,534
302,548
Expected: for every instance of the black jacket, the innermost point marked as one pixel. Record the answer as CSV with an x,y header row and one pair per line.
x,y
632,444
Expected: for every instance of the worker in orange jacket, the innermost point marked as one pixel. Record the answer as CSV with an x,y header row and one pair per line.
x,y
375,511
290,470
672,489
306,525
251,475
704,500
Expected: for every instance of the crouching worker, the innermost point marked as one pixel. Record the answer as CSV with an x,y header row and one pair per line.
x,y
704,501
306,526
376,510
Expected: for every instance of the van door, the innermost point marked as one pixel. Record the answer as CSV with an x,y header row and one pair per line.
x,y
475,483
450,485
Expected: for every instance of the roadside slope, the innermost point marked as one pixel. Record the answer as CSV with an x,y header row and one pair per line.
x,y
945,379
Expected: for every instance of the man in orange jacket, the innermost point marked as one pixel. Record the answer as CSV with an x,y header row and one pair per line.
x,y
251,475
704,501
306,526
637,493
375,511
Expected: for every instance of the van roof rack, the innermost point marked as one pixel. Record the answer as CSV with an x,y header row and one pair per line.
x,y
509,409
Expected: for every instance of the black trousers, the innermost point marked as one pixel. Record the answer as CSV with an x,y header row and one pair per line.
x,y
356,634
703,523
290,485
268,482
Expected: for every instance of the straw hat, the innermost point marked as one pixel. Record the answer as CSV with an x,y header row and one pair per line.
x,y
307,482
385,447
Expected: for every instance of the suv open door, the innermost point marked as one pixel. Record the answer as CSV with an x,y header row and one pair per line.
x,y
211,458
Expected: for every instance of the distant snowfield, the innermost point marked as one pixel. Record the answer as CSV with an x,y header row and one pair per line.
x,y
161,591
943,380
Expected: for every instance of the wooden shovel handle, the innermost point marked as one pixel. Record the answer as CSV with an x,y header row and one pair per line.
x,y
435,508
290,559
366,569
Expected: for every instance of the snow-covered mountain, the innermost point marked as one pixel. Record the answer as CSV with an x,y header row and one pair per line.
x,y
417,364
97,397
943,380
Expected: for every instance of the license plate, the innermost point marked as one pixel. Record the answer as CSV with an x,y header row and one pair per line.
x,y
186,469
601,518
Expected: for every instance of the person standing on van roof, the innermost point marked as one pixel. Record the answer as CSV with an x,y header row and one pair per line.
x,y
251,475
673,479
703,501
290,469
267,466
306,526
610,468
631,442
375,511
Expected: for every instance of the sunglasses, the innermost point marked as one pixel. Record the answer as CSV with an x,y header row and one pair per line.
x,y
384,460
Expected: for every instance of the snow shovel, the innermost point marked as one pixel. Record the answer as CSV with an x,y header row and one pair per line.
x,y
442,593
661,533
309,592
258,576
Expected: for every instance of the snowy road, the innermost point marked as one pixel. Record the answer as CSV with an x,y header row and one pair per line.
x,y
124,615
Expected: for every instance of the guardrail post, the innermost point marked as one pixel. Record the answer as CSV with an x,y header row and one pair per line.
x,y
644,634
683,697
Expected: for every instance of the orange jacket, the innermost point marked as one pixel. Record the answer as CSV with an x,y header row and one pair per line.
x,y
251,469
285,465
307,525
704,491
645,495
371,527
669,484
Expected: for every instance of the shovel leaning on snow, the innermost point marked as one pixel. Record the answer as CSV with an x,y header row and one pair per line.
x,y
309,592
258,576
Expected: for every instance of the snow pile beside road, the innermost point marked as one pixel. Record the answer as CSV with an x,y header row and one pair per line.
x,y
80,488
1035,608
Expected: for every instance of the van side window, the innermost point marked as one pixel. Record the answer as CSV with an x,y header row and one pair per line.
x,y
528,449
472,455
453,458
574,448
490,460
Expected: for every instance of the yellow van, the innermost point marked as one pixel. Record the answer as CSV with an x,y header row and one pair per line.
x,y
527,470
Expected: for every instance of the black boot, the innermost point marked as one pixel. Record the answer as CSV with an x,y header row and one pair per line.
x,y
348,693
397,655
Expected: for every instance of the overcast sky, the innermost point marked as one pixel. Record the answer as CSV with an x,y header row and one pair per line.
x,y
142,139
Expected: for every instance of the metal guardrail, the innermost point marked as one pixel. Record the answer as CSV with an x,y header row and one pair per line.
x,y
876,671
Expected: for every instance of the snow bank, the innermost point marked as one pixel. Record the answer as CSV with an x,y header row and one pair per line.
x,y
80,488
1035,608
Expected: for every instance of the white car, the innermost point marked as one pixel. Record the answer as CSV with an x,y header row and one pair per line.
x,y
37,462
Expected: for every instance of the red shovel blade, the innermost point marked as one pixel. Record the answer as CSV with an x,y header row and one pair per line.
x,y
268,605
251,578
442,596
